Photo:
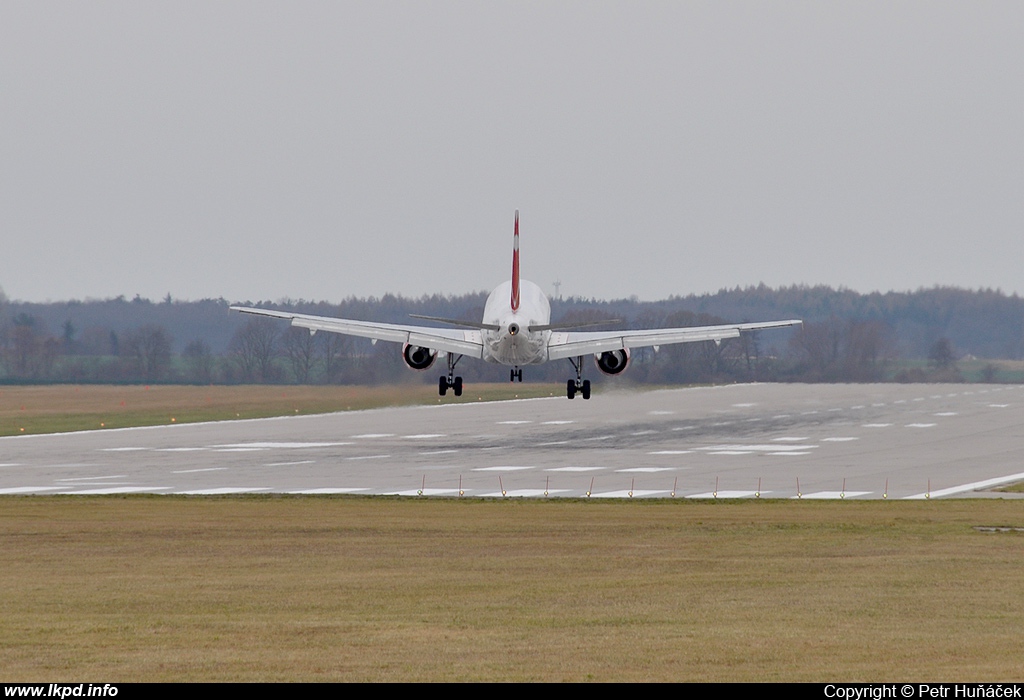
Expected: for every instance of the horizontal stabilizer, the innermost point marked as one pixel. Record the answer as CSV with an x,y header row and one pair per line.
x,y
452,321
570,326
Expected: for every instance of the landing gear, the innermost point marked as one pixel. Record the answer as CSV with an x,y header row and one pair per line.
x,y
515,374
450,382
579,384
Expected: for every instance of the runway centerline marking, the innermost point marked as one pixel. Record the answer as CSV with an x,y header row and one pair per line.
x,y
370,436
194,471
921,425
645,470
575,469
501,469
557,422
423,436
839,439
671,452
368,457
291,464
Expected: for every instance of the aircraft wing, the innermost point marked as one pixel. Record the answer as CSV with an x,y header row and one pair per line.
x,y
462,342
564,345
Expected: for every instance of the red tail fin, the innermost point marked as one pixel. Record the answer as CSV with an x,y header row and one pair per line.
x,y
515,266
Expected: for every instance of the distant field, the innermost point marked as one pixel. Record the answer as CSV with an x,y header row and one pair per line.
x,y
365,589
25,410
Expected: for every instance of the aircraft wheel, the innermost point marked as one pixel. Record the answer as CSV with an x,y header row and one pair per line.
x,y
570,389
442,386
458,386
586,389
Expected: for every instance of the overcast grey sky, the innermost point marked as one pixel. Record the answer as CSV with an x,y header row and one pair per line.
x,y
318,150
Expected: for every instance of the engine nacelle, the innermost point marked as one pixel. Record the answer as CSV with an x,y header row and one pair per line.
x,y
613,361
418,358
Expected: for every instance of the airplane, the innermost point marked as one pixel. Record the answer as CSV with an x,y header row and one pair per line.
x,y
516,330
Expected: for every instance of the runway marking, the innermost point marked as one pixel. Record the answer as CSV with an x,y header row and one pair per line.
x,y
951,394
423,436
833,410
782,415
93,478
29,489
731,452
291,464
282,445
124,449
181,449
374,435
744,405
423,492
760,448
877,425
751,420
974,486
644,432
807,413
117,489
947,413
514,422
575,469
646,470
855,408
501,469
242,449
834,495
368,457
920,425
919,398
225,490
661,413
876,405
787,454
193,471
637,493
788,439
549,444
438,452
900,401
728,494
521,493
601,437
839,439
557,422
10,464
999,405
328,491
671,452
685,427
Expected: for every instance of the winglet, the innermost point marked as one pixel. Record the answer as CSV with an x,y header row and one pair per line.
x,y
515,266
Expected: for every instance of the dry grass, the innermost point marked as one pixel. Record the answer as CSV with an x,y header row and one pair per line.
x,y
25,410
167,588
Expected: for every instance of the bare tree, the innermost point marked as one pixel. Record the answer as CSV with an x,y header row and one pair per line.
x,y
253,347
300,348
148,352
198,362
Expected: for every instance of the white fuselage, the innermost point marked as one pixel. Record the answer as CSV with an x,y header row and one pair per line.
x,y
512,344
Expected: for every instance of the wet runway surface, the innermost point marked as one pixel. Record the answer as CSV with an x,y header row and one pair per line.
x,y
776,440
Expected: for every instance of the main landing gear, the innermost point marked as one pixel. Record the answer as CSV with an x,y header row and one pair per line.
x,y
515,374
580,384
450,382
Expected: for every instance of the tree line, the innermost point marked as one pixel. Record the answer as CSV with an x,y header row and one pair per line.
x,y
846,336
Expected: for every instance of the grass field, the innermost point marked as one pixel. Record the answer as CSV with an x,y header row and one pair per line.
x,y
264,588
25,410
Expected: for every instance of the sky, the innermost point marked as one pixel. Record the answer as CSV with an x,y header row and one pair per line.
x,y
322,150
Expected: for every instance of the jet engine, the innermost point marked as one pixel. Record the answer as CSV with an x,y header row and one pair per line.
x,y
613,361
417,357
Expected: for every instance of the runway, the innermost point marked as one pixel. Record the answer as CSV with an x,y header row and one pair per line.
x,y
768,440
